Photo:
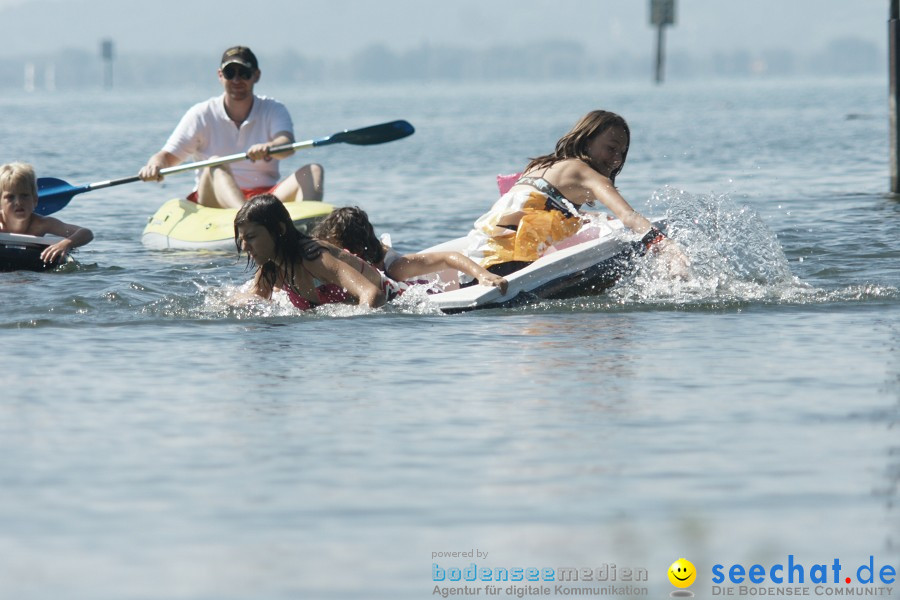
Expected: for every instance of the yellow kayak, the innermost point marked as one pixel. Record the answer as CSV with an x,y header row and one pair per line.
x,y
183,225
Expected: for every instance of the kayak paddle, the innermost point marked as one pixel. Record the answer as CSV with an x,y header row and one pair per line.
x,y
54,194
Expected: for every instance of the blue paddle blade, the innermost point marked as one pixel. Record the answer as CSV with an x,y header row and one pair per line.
x,y
54,194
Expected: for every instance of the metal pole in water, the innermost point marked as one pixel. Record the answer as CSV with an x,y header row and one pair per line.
x,y
662,13
660,52
894,94
106,52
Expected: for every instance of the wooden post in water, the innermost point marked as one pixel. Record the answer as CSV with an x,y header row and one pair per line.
x,y
894,99
662,13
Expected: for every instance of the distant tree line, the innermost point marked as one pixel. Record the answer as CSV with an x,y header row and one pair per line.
x,y
547,61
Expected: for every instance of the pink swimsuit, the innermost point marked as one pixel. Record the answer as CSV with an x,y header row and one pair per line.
x,y
328,293
331,293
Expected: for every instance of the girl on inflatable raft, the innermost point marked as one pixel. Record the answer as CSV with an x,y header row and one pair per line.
x,y
543,205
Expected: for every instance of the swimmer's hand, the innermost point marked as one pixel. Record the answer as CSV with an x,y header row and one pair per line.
x,y
494,281
244,296
56,252
673,256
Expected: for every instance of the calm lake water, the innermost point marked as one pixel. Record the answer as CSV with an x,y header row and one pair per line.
x,y
156,443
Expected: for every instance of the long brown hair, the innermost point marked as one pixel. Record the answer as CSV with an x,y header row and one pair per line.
x,y
575,143
291,246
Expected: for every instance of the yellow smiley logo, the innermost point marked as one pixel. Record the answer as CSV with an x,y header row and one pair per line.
x,y
682,573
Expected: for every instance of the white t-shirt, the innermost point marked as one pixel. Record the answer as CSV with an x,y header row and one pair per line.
x,y
206,130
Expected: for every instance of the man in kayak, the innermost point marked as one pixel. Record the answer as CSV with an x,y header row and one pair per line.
x,y
237,121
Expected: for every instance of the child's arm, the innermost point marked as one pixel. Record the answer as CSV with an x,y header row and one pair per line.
x,y
250,292
331,269
414,265
75,236
260,287
601,188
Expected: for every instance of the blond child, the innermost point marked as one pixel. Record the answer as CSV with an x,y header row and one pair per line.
x,y
18,200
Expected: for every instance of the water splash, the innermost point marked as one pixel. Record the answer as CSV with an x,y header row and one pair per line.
x,y
217,300
213,299
415,301
723,237
735,258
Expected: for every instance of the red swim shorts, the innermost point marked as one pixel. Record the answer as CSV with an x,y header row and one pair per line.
x,y
247,193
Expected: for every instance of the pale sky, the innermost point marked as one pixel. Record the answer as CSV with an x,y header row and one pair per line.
x,y
341,27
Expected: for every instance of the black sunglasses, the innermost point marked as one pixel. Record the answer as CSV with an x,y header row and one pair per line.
x,y
231,71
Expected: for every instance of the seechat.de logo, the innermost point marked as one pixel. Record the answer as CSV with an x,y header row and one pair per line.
x,y
794,571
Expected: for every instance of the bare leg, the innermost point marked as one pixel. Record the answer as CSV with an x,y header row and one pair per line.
x,y
306,183
218,189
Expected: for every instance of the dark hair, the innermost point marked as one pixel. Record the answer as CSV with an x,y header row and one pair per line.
x,y
349,228
291,246
574,144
